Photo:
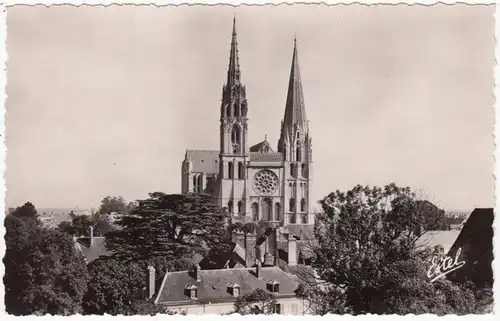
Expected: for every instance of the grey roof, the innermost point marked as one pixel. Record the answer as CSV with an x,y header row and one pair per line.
x,y
262,147
93,252
204,161
213,285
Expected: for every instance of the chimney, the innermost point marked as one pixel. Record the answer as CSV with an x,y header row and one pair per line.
x,y
91,236
197,273
150,281
292,250
258,269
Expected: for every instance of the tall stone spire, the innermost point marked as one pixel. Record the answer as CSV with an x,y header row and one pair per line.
x,y
295,112
295,121
233,73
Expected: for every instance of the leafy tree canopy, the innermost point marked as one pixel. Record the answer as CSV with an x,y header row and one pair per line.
x,y
44,273
111,204
170,227
27,211
366,258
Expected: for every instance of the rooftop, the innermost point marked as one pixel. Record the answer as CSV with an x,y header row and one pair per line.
x,y
213,284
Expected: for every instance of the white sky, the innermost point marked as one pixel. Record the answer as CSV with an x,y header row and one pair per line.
x,y
105,100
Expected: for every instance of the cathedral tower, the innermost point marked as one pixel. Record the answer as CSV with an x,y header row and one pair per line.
x,y
295,145
234,147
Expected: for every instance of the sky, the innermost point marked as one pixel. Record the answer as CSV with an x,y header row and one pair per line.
x,y
105,100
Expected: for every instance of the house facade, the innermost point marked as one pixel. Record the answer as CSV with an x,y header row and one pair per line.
x,y
215,291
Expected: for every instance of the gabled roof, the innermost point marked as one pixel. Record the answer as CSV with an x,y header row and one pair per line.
x,y
229,259
262,147
213,285
95,251
204,161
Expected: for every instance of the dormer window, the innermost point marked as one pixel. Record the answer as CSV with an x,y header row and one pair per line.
x,y
191,291
233,289
273,286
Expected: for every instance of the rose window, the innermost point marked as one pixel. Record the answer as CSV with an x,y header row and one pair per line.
x,y
265,182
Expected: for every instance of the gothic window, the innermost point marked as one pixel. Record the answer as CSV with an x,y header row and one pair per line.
x,y
230,206
303,205
194,184
240,207
237,110
255,211
267,209
277,211
230,170
235,135
292,169
303,170
265,182
293,219
241,171
299,152
292,205
228,111
304,219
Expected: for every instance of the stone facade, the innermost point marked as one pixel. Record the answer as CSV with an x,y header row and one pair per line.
x,y
255,182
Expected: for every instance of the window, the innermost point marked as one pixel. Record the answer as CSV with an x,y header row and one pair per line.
x,y
194,184
293,219
230,167
241,171
303,205
273,286
236,110
277,308
255,211
292,169
228,110
235,135
191,291
233,289
277,211
267,209
303,170
299,152
292,205
240,207
304,219
230,206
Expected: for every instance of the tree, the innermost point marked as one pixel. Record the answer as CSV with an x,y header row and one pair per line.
x,y
258,301
434,217
102,225
366,260
44,273
27,211
112,205
170,227
112,286
80,225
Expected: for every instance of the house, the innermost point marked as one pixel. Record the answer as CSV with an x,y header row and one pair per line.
x,y
91,247
215,291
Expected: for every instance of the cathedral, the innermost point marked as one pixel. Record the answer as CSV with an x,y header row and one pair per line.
x,y
255,182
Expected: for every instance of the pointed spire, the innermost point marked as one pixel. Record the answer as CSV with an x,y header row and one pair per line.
x,y
233,73
295,110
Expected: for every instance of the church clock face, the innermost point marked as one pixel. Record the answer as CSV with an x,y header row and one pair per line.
x,y
265,182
